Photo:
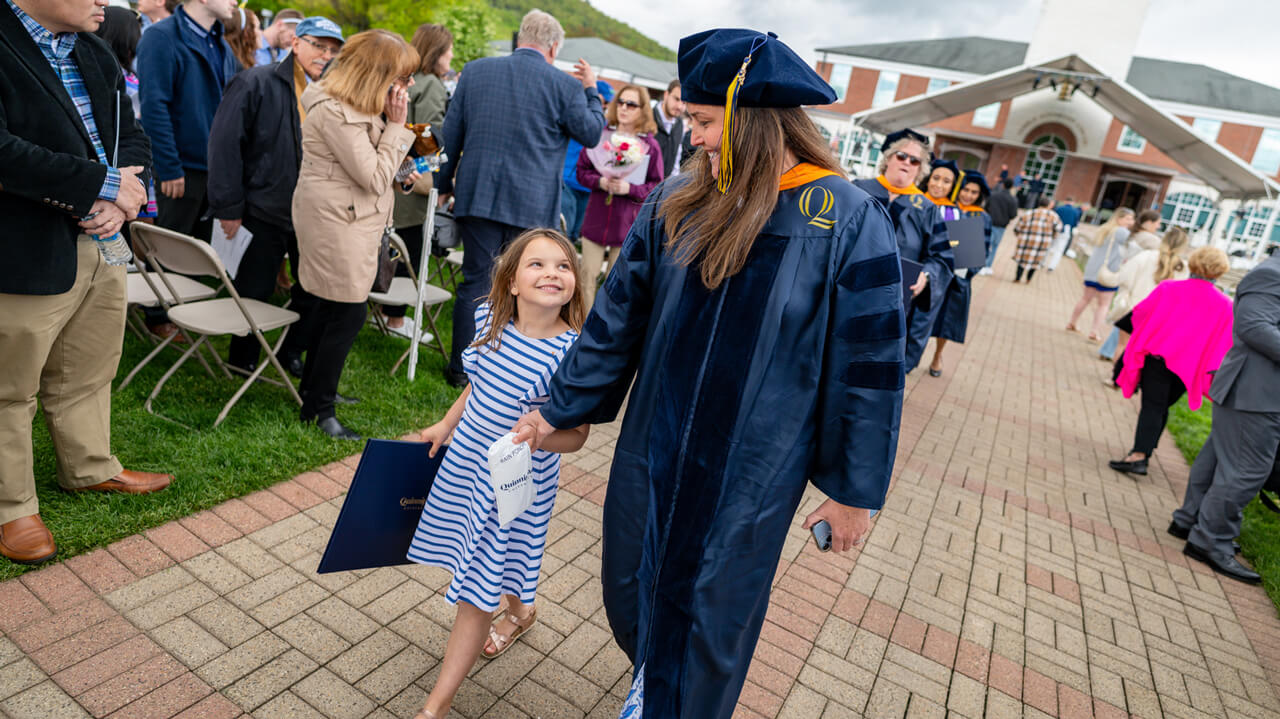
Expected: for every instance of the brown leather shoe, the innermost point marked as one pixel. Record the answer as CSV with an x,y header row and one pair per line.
x,y
27,541
130,482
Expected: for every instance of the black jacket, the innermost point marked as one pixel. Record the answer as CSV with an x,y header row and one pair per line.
x,y
670,142
1002,207
49,172
255,147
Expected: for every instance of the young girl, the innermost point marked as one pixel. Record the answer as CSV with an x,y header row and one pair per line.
x,y
529,321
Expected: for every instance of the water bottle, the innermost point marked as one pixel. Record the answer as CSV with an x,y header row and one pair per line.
x,y
114,250
421,165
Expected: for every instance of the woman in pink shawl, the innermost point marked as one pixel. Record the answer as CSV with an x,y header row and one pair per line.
x,y
1181,332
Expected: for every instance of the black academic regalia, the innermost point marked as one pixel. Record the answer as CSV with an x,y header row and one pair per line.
x,y
789,372
953,319
922,237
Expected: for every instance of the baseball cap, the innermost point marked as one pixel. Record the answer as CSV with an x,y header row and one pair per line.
x,y
318,26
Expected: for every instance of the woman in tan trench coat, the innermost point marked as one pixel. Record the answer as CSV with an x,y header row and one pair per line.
x,y
353,142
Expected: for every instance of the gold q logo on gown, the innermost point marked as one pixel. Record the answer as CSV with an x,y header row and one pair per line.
x,y
821,199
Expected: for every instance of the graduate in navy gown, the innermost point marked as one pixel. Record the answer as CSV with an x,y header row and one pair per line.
x,y
971,195
921,234
758,307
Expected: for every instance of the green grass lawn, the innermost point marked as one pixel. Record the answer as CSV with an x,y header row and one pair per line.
x,y
260,443
1260,534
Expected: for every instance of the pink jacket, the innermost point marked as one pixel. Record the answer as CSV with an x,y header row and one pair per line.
x,y
1188,323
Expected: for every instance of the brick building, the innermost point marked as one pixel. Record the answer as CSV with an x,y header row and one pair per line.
x,y
1053,129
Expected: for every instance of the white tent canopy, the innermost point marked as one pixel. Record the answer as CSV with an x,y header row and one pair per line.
x,y
1225,172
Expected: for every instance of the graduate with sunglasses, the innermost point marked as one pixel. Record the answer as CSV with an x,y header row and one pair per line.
x,y
921,233
757,303
970,197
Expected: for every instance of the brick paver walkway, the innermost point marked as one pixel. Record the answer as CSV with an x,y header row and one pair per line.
x,y
1011,574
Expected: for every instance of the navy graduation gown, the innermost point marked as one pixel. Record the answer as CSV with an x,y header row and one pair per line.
x,y
789,372
922,237
953,319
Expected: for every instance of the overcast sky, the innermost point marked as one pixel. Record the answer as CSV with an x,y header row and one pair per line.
x,y
1239,37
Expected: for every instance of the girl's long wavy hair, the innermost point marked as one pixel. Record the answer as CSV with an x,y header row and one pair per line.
x,y
1171,247
716,231
241,33
502,304
1112,224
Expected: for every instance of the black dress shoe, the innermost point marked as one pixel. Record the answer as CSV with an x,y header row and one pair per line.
x,y
1184,533
332,427
1222,564
1138,467
339,399
457,380
293,365
935,373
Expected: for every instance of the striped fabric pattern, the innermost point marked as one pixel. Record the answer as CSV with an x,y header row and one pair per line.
x,y
57,50
458,530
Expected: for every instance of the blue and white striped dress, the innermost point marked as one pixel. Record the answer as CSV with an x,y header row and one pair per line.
x,y
459,530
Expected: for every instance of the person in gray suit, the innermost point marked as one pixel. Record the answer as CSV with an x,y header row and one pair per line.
x,y
505,134
1243,449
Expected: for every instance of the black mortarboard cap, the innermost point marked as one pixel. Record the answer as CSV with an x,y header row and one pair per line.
x,y
906,132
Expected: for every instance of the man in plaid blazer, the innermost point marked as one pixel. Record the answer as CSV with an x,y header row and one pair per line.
x,y
505,134
1035,231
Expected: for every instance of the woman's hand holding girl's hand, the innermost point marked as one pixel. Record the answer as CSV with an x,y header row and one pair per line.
x,y
438,435
532,428
397,107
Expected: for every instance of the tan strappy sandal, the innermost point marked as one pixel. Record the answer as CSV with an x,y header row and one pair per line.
x,y
504,641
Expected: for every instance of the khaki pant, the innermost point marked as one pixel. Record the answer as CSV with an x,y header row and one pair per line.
x,y
592,259
64,350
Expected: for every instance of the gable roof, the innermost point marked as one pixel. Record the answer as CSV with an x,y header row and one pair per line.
x,y
1230,175
1160,79
604,54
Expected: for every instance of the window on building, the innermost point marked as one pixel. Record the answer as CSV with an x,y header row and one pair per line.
x,y
1267,157
1131,141
937,83
1206,128
886,89
840,80
986,115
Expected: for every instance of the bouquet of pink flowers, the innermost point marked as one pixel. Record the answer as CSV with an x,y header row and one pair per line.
x,y
620,156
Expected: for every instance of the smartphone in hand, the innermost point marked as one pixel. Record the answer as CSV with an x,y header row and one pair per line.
x,y
822,535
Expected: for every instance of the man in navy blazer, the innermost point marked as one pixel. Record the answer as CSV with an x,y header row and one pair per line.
x,y
505,134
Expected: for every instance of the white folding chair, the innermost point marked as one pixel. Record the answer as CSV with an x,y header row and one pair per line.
x,y
145,289
404,293
172,252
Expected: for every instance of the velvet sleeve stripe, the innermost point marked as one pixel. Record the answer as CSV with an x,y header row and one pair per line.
x,y
875,272
888,325
874,375
597,329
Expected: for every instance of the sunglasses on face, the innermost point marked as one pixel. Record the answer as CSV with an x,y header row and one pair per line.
x,y
907,157
629,104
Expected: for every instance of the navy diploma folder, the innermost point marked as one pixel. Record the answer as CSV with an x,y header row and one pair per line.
x,y
910,273
968,242
382,507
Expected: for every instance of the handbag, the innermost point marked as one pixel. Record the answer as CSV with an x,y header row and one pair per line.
x,y
1105,276
387,259
445,236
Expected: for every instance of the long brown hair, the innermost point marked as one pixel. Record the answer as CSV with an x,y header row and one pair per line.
x,y
716,230
647,125
369,62
431,41
1171,254
241,33
502,304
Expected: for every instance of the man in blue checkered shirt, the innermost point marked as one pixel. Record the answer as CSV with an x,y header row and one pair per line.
x,y
72,165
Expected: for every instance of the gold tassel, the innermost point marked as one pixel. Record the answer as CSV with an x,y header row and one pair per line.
x,y
730,104
955,191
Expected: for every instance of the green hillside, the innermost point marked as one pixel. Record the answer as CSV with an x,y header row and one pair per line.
x,y
580,20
